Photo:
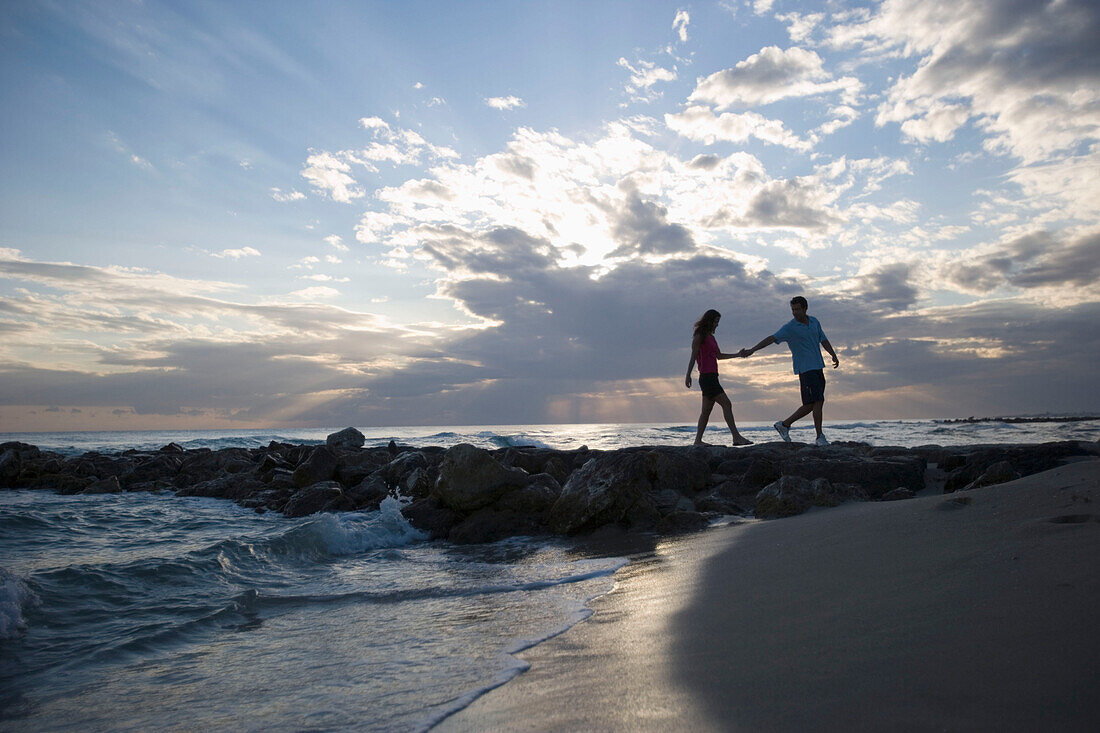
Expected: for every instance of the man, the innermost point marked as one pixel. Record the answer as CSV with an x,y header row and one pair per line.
x,y
803,334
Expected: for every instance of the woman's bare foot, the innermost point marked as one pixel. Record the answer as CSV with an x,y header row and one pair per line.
x,y
741,440
700,443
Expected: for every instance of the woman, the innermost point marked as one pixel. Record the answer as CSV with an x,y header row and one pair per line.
x,y
704,350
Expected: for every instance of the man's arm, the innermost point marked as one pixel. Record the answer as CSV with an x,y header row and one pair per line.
x,y
766,342
829,348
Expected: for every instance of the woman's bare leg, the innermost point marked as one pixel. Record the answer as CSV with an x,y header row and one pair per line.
x,y
704,418
727,411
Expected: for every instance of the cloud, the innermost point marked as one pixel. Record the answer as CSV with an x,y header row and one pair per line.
x,y
680,24
236,254
643,75
889,286
336,242
1024,72
770,75
280,196
328,174
800,27
642,228
1038,259
505,103
701,124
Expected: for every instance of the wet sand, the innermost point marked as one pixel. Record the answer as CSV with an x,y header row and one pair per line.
x,y
969,611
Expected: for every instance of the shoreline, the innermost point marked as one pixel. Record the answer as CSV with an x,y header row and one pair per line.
x,y
972,611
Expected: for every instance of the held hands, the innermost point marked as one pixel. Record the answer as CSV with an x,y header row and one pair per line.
x,y
744,354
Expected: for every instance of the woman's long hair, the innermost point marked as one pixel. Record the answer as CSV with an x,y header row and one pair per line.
x,y
707,323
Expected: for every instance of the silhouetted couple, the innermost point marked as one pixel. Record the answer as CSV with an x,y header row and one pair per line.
x,y
805,338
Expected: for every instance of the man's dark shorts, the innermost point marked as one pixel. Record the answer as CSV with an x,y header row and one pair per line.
x,y
710,386
813,386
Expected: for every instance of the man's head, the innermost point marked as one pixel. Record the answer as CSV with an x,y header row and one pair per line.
x,y
798,307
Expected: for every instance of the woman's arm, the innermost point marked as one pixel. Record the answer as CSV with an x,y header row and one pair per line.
x,y
696,344
766,342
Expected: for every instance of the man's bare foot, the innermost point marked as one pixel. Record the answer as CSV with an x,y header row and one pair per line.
x,y
742,440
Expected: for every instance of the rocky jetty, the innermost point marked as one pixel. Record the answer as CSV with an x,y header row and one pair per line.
x,y
469,494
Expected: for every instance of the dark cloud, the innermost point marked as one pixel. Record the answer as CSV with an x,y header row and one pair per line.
x,y
517,165
705,162
642,228
1037,259
889,286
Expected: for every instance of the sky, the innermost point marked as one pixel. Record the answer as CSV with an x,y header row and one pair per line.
x,y
220,215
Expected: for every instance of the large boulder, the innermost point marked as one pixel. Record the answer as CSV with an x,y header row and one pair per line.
x,y
397,470
999,473
368,493
876,477
432,517
232,487
603,490
346,438
678,471
534,499
320,466
108,485
491,524
313,499
469,479
788,496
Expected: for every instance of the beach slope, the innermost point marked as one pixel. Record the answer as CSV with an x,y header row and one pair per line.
x,y
970,611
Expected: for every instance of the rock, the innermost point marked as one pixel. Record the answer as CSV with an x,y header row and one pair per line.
x,y
105,486
172,448
397,470
999,473
668,501
234,488
534,499
717,501
432,517
491,524
788,496
681,522
346,438
876,477
898,494
313,499
558,468
320,466
469,479
419,483
603,490
761,472
369,493
678,471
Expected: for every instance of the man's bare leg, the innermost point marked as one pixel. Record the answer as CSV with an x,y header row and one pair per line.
x,y
798,414
817,416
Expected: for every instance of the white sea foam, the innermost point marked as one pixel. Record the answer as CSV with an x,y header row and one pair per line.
x,y
14,597
349,533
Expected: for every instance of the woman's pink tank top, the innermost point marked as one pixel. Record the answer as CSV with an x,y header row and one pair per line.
x,y
708,355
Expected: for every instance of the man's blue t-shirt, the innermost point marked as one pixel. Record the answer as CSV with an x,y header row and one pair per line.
x,y
803,340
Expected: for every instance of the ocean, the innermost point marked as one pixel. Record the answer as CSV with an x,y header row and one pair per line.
x,y
151,611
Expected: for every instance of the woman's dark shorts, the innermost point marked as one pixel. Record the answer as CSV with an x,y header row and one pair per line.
x,y
813,386
709,384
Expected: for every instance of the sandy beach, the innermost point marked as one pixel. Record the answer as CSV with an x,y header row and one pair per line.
x,y
969,611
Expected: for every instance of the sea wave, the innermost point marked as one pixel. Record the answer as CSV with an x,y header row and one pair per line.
x,y
15,596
